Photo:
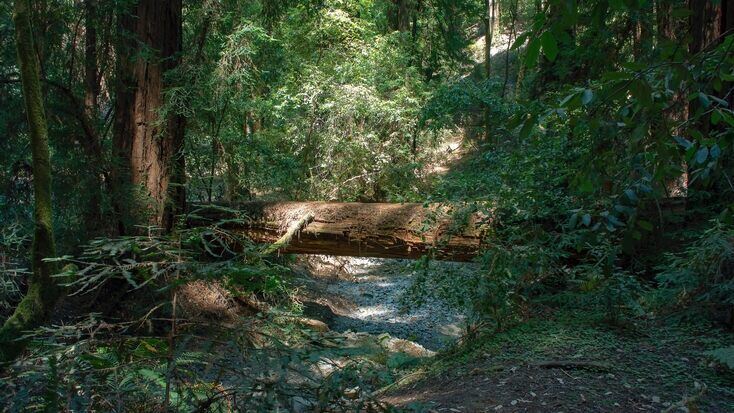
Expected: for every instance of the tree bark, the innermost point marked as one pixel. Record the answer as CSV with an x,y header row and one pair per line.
x,y
663,10
93,148
399,15
91,77
149,149
43,292
359,229
706,22
513,14
489,24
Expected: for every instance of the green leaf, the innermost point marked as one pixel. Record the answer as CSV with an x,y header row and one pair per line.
x,y
520,40
631,195
702,154
727,116
585,185
641,91
533,51
550,46
129,277
715,117
568,98
715,152
685,143
616,76
614,221
153,376
96,361
719,100
572,101
617,4
624,209
573,221
646,225
704,100
586,220
586,97
527,127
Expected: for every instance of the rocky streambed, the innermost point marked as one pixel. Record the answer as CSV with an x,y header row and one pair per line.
x,y
372,295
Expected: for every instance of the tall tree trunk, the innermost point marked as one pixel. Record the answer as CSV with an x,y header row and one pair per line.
x,y
643,34
399,15
93,214
705,23
403,16
663,10
122,129
489,26
513,14
414,27
149,149
705,26
489,29
42,289
91,78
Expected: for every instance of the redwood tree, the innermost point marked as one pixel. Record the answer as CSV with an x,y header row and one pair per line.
x,y
489,31
148,143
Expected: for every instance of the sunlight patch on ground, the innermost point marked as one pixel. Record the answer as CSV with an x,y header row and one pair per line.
x,y
499,45
450,152
376,289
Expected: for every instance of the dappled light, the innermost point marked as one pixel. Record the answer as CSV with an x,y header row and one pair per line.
x,y
368,206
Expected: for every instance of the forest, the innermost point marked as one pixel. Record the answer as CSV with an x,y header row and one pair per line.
x,y
366,206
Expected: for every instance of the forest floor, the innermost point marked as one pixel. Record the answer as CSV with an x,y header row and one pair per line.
x,y
569,363
559,360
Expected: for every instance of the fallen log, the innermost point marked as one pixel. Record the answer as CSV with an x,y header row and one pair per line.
x,y
384,230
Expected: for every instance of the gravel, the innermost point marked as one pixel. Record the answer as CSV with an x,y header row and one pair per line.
x,y
376,290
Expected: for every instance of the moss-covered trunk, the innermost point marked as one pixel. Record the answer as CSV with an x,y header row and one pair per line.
x,y
42,290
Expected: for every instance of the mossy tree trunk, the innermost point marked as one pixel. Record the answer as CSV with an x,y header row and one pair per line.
x,y
42,290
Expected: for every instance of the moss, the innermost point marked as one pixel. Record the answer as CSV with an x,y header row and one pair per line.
x,y
42,291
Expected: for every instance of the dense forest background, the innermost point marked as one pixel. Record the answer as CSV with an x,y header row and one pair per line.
x,y
596,134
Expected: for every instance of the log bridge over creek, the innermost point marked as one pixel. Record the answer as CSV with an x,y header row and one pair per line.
x,y
381,230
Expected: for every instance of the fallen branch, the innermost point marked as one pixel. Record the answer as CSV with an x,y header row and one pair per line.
x,y
295,227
